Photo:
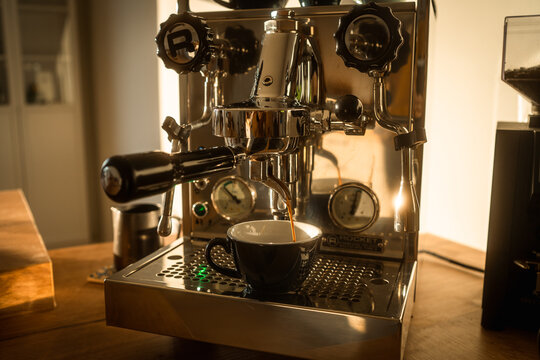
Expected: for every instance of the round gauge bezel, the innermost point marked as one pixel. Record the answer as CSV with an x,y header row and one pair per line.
x,y
367,190
249,186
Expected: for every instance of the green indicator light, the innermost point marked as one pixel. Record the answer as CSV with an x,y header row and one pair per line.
x,y
202,274
200,210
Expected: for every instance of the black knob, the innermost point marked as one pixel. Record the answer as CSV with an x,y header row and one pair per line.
x,y
348,108
368,37
184,43
129,177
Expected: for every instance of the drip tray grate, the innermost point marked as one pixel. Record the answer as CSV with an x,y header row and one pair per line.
x,y
336,282
332,277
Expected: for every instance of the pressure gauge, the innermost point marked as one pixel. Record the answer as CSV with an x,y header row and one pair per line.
x,y
353,206
233,198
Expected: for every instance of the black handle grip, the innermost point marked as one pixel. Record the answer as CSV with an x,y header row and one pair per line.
x,y
129,177
225,243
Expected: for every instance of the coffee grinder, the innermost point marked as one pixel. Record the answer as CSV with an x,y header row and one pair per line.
x,y
512,274
323,106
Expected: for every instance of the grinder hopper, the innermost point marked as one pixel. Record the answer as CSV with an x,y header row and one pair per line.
x,y
521,59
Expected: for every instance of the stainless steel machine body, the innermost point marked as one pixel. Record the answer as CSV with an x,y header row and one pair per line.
x,y
358,299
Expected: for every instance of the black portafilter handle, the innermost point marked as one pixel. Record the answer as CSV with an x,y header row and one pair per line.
x,y
129,177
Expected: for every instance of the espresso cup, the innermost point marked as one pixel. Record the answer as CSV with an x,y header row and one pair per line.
x,y
266,257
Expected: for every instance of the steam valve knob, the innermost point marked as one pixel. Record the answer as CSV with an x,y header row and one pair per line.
x,y
368,37
348,108
184,43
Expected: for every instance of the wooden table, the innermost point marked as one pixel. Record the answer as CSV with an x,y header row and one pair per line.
x,y
26,276
445,324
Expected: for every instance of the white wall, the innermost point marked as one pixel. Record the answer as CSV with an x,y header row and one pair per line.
x,y
465,100
167,78
124,71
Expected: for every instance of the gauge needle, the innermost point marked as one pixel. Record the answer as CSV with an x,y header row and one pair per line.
x,y
355,202
236,200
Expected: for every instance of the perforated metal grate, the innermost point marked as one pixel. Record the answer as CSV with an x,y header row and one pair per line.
x,y
338,278
331,277
197,270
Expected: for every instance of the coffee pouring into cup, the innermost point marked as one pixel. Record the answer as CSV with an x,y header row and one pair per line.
x,y
265,255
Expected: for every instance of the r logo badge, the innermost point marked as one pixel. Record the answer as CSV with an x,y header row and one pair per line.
x,y
186,42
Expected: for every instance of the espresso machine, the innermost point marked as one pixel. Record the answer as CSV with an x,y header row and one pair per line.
x,y
319,108
511,294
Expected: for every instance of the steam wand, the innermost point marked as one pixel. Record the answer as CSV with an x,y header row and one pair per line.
x,y
178,135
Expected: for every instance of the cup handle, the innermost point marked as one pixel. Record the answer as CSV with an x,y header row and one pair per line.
x,y
234,273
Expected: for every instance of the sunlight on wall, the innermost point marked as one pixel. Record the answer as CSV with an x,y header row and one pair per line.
x,y
168,79
466,98
168,93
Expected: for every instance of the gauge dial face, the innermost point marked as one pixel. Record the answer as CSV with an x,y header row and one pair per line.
x,y
353,206
233,198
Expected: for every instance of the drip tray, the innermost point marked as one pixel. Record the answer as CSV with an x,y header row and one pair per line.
x,y
345,301
335,282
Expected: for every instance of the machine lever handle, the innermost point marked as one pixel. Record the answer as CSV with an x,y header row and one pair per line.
x,y
128,177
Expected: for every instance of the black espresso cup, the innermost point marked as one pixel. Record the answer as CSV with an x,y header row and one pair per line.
x,y
265,256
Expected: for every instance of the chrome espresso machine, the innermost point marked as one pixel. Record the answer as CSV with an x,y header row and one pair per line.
x,y
320,105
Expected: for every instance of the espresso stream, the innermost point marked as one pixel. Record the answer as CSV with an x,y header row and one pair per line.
x,y
289,209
